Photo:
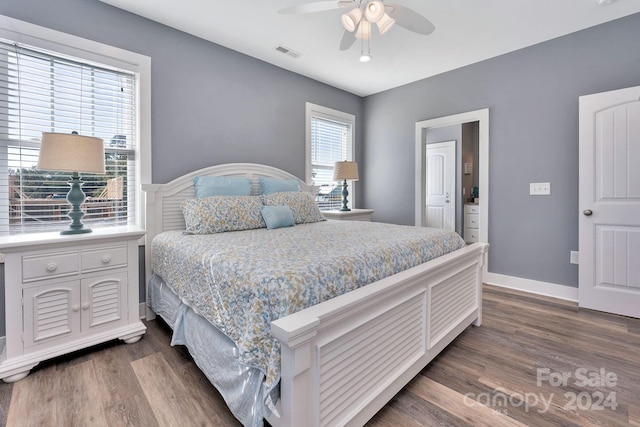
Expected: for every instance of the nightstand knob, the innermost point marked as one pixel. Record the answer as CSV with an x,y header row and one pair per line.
x,y
85,306
106,259
76,307
52,266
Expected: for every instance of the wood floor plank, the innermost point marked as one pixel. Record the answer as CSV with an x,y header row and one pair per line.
x,y
206,395
123,399
390,417
33,401
6,389
166,393
421,411
85,408
459,405
634,415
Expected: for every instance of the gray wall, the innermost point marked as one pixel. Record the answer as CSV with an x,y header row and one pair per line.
x,y
532,95
210,104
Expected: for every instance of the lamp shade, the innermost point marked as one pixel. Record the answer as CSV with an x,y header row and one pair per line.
x,y
350,20
385,23
71,153
374,11
345,170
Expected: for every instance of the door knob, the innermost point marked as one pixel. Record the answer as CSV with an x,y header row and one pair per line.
x,y
587,212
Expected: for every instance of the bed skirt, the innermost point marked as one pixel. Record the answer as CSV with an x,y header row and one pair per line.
x,y
214,353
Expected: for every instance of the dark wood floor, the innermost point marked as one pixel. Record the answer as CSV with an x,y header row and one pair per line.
x,y
506,373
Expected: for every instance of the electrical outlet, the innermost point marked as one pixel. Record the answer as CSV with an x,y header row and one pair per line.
x,y
540,188
575,257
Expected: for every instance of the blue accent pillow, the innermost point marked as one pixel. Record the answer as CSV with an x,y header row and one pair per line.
x,y
277,216
276,185
207,186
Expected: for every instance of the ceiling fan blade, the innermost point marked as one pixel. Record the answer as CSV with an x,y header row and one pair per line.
x,y
347,41
316,6
409,19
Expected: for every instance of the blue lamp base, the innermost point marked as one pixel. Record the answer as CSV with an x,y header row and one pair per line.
x,y
345,194
76,198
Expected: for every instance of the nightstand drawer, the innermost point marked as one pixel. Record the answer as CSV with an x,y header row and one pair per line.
x,y
471,235
104,258
45,266
472,209
472,220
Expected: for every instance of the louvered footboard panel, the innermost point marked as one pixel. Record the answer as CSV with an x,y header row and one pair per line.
x,y
451,301
353,367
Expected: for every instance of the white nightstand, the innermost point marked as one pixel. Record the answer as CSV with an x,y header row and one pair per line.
x,y
471,222
64,293
352,215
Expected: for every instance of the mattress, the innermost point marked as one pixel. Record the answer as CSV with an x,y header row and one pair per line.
x,y
241,281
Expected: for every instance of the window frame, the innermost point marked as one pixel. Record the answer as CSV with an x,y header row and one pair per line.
x,y
314,110
94,52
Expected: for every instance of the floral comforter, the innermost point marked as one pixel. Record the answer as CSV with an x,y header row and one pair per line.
x,y
241,281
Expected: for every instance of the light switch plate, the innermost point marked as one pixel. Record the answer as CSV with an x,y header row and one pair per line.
x,y
540,188
575,257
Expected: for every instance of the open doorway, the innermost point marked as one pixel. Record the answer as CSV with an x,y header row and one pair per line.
x,y
427,131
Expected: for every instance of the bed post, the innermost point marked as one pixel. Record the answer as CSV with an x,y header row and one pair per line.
x,y
150,196
480,280
298,400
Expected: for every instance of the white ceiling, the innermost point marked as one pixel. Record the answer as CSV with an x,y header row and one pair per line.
x,y
467,31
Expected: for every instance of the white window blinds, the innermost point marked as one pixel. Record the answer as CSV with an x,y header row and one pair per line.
x,y
331,141
44,92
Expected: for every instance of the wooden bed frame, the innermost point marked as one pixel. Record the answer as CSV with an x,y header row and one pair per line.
x,y
344,359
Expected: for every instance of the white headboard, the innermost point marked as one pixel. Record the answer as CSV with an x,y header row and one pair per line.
x,y
163,201
164,211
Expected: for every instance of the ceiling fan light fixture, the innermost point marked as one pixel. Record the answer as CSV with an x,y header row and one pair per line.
x,y
364,30
385,23
365,57
351,19
374,11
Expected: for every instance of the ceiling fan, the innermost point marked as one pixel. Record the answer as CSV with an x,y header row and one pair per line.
x,y
361,14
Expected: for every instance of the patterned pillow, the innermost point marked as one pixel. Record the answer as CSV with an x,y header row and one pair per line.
x,y
302,205
217,214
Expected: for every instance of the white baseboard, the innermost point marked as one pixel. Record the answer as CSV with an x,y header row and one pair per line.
x,y
533,286
142,310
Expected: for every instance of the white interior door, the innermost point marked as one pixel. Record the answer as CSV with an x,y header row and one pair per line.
x,y
609,270
440,209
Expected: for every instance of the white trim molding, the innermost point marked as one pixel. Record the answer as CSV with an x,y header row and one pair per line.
x,y
554,290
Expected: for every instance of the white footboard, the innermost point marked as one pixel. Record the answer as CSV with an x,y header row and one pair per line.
x,y
342,360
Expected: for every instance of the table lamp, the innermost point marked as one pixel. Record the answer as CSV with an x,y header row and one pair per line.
x,y
72,153
344,171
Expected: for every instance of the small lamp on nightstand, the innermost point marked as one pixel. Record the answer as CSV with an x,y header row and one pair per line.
x,y
72,153
344,171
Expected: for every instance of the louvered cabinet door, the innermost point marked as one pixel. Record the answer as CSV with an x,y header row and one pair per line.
x,y
104,301
51,313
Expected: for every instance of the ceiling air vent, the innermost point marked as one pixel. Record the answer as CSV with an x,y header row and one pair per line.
x,y
292,53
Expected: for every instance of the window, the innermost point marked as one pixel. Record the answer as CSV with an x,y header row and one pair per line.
x,y
45,90
330,139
